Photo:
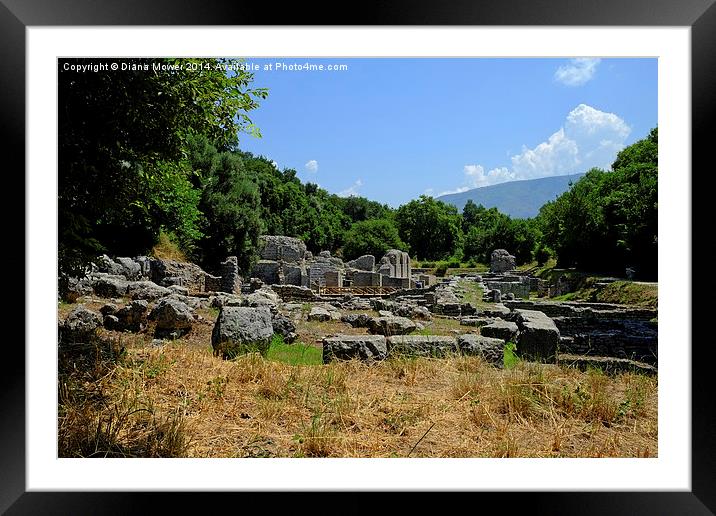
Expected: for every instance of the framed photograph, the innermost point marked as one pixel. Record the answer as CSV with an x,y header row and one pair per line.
x,y
555,93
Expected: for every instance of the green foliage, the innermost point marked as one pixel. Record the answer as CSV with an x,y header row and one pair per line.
x,y
294,209
358,209
431,228
122,142
608,220
231,203
488,229
441,268
375,237
542,254
510,358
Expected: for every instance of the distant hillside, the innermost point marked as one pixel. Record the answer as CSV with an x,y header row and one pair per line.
x,y
518,199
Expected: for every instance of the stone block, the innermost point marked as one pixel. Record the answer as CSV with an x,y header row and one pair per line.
x,y
490,349
538,338
500,329
390,281
501,261
363,263
367,348
294,274
367,279
421,345
333,278
281,248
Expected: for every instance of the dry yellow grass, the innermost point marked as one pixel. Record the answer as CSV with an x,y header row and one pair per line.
x,y
167,249
452,407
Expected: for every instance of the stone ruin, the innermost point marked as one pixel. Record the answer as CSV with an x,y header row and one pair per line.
x,y
501,261
285,261
282,261
395,269
577,333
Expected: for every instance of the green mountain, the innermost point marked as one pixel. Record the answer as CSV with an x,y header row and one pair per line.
x,y
518,199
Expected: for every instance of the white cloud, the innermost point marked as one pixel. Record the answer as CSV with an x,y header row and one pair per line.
x,y
275,165
476,176
579,71
312,166
456,190
559,155
589,138
351,190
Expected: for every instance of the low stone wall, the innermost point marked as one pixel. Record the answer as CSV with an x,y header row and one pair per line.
x,y
212,283
295,293
609,365
612,344
519,289
601,329
601,310
390,281
366,279
266,271
594,323
415,293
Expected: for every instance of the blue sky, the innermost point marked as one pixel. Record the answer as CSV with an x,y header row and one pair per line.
x,y
393,129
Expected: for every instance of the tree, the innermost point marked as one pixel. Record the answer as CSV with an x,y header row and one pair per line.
x,y
494,230
375,236
608,220
431,228
123,136
471,214
231,203
359,208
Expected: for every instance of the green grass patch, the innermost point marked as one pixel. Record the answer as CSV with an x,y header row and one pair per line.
x,y
473,294
629,293
619,292
510,359
573,296
467,269
294,354
452,268
527,266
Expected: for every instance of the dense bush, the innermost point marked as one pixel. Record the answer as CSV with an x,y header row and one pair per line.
x,y
374,237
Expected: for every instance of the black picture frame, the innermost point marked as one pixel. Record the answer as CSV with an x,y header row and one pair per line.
x,y
699,15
